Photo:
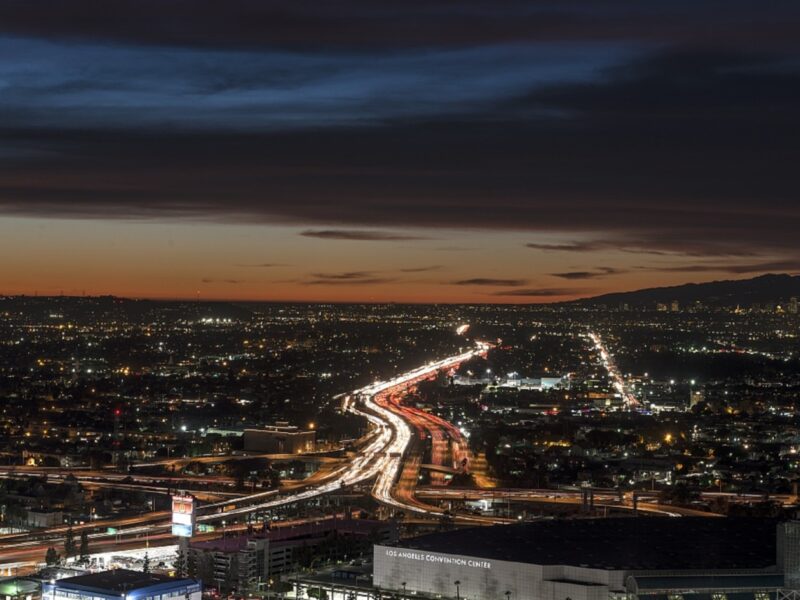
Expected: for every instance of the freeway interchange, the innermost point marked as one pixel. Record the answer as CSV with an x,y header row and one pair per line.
x,y
380,459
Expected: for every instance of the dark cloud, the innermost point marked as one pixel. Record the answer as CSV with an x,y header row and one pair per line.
x,y
356,24
360,235
640,247
599,272
572,247
421,269
371,281
689,150
740,268
576,275
490,281
366,281
539,292
347,278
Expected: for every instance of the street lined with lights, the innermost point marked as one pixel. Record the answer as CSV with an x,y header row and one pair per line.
x,y
617,380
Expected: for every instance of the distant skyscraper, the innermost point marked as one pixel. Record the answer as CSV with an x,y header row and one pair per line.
x,y
792,308
675,306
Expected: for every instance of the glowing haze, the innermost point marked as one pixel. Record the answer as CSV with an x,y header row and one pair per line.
x,y
445,152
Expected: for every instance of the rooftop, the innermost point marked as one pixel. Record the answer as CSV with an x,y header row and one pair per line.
x,y
118,580
645,543
314,530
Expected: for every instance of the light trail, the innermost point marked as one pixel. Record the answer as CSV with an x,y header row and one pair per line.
x,y
618,381
380,459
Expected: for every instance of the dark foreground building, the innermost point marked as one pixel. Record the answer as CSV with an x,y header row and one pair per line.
x,y
122,584
650,558
239,562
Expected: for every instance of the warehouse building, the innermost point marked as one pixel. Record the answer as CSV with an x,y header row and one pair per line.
x,y
280,438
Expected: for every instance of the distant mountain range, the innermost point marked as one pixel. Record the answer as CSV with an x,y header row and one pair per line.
x,y
744,292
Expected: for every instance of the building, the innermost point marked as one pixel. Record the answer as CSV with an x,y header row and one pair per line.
x,y
696,397
239,562
16,588
122,584
44,518
513,380
281,438
646,558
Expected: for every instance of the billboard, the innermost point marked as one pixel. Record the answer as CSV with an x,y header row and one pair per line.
x,y
183,516
181,530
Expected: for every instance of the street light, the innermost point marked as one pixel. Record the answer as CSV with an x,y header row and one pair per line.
x,y
404,589
457,583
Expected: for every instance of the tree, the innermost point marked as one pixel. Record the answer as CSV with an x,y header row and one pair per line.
x,y
146,563
52,557
69,543
231,580
205,570
180,563
84,549
446,521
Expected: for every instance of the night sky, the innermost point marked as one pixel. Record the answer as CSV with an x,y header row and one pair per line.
x,y
473,150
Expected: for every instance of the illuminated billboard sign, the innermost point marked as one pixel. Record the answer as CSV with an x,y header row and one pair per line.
x,y
182,516
181,530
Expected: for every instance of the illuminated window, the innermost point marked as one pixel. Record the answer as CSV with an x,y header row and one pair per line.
x,y
762,596
719,596
674,596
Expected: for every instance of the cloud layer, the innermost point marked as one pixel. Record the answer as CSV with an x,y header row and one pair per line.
x,y
667,131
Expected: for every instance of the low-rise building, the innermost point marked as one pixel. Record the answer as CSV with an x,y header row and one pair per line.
x,y
653,558
279,439
239,562
44,518
122,584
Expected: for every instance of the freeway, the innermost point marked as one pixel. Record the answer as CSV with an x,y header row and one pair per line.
x,y
380,459
602,499
398,463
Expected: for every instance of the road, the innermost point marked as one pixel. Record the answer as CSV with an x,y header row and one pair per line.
x,y
387,455
617,380
379,459
602,499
